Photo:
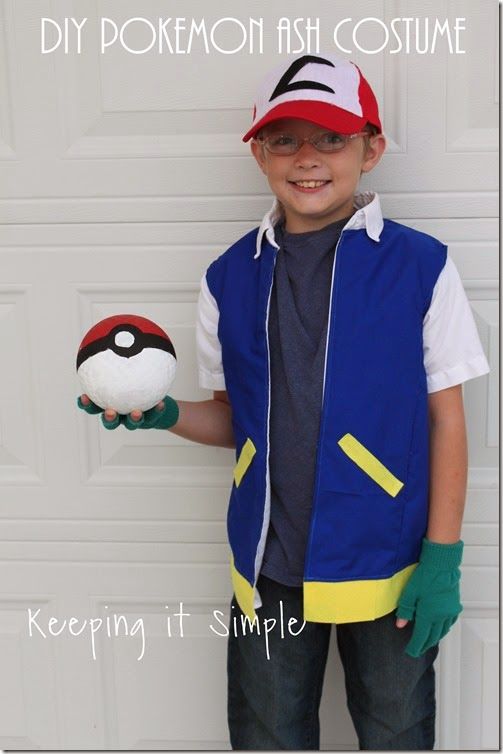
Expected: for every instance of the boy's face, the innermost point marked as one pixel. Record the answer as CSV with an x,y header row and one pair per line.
x,y
312,208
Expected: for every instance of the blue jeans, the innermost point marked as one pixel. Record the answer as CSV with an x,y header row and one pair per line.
x,y
273,703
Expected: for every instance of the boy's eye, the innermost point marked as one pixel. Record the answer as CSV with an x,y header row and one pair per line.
x,y
281,140
330,138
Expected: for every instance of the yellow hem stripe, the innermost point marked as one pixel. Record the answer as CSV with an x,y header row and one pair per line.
x,y
353,601
335,602
370,464
245,458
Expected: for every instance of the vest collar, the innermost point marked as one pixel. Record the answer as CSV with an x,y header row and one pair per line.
x,y
368,216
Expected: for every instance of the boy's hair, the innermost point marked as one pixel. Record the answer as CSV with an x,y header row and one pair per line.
x,y
372,131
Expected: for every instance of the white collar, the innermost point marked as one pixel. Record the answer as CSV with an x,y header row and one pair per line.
x,y
368,216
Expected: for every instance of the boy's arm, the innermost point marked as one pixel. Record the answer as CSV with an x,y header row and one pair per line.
x,y
207,422
439,599
448,465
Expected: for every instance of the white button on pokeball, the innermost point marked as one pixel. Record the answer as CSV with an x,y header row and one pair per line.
x,y
124,339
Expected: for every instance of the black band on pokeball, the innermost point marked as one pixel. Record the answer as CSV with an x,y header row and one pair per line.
x,y
141,340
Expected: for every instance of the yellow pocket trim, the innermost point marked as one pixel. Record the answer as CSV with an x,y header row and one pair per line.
x,y
370,464
245,458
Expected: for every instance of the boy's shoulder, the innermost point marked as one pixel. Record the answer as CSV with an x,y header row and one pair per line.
x,y
240,252
236,263
420,240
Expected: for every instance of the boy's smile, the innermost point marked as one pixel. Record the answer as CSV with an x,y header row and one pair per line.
x,y
315,188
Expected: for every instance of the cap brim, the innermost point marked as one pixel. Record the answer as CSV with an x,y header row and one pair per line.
x,y
325,115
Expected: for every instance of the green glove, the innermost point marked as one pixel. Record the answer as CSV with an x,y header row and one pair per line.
x,y
431,596
151,419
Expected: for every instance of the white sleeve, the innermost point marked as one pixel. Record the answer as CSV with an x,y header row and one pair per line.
x,y
209,352
452,349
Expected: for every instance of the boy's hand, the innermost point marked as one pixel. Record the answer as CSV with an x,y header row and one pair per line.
x,y
162,416
431,596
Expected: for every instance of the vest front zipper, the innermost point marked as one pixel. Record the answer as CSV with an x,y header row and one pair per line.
x,y
267,507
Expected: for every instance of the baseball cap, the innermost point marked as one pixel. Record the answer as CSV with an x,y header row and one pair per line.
x,y
324,89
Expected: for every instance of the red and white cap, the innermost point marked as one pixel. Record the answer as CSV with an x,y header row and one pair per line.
x,y
324,89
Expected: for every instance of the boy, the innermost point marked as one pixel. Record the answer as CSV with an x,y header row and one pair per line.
x,y
336,344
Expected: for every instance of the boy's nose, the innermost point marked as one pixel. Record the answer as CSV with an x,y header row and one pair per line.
x,y
307,154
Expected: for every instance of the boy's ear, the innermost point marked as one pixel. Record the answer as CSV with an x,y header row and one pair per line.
x,y
258,153
374,152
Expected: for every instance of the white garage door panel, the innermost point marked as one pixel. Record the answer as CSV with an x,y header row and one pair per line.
x,y
123,176
108,702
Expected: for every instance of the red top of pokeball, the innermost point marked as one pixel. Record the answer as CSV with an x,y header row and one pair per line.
x,y
102,328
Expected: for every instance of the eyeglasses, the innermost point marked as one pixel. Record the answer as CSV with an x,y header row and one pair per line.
x,y
327,141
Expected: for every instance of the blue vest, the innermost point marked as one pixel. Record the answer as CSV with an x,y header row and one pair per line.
x,y
370,498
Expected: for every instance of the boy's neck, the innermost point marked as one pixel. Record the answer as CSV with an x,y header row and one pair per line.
x,y
294,225
318,229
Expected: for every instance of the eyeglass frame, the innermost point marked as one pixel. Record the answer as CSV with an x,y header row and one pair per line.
x,y
346,138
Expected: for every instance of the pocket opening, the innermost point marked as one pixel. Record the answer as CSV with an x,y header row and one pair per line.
x,y
371,465
245,458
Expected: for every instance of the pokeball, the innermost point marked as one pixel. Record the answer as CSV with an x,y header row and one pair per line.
x,y
126,362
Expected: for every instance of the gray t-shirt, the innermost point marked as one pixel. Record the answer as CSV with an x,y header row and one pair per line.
x,y
298,320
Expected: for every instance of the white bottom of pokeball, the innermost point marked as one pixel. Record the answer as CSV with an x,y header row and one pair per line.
x,y
140,382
